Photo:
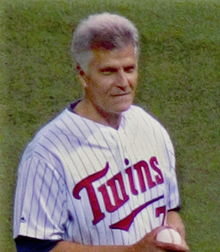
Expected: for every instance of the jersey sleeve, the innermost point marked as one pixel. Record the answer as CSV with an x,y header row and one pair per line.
x,y
173,197
40,201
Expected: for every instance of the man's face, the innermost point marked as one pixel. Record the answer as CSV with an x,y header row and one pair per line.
x,y
111,79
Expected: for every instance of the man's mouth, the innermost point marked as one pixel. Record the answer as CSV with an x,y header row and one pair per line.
x,y
122,94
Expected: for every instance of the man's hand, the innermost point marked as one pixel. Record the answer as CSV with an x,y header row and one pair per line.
x,y
150,244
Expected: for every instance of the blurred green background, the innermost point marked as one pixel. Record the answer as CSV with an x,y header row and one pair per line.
x,y
179,83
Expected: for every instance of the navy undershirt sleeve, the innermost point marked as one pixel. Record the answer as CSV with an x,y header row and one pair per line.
x,y
177,209
28,244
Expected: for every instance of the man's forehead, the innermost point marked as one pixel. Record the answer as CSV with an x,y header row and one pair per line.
x,y
125,49
108,57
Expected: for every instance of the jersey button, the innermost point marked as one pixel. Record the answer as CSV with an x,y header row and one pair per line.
x,y
23,219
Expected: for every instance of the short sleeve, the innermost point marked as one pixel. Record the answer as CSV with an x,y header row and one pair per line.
x,y
173,198
40,201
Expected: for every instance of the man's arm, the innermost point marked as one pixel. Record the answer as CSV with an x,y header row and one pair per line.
x,y
66,246
147,244
175,221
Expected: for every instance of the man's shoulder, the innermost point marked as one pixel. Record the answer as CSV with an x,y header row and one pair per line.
x,y
142,117
65,130
137,112
46,133
49,126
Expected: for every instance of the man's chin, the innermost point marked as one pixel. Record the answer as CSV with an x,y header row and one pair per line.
x,y
122,109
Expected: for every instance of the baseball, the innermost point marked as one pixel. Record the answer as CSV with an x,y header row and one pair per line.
x,y
169,235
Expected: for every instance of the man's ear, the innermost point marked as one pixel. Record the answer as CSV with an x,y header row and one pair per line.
x,y
82,75
79,70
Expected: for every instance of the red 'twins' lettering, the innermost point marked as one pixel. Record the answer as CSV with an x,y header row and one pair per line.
x,y
116,186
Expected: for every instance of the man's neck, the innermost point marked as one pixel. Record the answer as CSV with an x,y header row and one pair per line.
x,y
86,109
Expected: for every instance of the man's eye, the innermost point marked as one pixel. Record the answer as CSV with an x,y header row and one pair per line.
x,y
108,71
129,69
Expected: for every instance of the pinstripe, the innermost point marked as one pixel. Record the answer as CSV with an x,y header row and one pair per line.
x,y
20,194
32,206
47,201
50,154
38,207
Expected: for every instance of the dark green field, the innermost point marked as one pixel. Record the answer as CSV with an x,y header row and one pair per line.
x,y
179,83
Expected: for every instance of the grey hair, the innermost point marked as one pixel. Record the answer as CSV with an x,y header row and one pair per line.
x,y
102,31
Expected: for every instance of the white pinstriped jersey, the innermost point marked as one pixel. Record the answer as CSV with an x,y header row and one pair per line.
x,y
82,181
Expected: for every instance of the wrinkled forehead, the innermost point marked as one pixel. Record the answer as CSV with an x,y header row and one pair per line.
x,y
117,56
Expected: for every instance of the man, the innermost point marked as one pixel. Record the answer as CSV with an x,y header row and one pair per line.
x,y
101,175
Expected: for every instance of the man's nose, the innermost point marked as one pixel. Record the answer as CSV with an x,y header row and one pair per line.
x,y
122,80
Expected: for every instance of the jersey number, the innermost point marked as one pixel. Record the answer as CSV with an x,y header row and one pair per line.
x,y
159,211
